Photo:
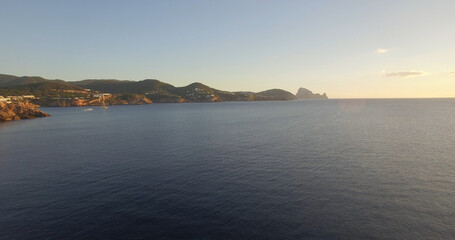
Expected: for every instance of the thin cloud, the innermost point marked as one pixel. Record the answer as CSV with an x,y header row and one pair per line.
x,y
382,50
451,73
405,74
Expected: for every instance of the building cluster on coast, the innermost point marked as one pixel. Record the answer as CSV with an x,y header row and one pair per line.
x,y
85,92
11,99
68,95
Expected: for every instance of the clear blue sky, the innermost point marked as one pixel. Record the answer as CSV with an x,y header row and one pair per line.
x,y
345,48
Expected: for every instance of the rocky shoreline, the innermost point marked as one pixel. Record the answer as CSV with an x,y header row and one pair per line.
x,y
18,111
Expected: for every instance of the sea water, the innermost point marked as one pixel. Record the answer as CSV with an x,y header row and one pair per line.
x,y
318,169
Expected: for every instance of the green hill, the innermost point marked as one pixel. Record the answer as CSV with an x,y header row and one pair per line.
x,y
10,80
123,86
5,80
273,95
40,89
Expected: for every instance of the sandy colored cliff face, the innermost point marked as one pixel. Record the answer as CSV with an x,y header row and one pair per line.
x,y
17,111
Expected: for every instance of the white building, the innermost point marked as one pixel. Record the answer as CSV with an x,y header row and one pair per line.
x,y
16,98
5,99
102,94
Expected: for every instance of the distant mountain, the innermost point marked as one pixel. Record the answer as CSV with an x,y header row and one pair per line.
x,y
304,93
10,80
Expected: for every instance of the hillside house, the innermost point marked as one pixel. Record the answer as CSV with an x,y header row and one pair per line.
x,y
98,95
5,99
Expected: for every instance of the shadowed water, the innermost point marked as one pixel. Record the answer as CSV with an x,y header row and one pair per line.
x,y
335,169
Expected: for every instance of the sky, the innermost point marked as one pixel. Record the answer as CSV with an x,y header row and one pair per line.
x,y
347,49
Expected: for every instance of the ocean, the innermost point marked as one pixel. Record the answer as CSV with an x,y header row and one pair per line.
x,y
308,169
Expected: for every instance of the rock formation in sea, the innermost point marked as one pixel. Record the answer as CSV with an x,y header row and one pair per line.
x,y
17,111
304,93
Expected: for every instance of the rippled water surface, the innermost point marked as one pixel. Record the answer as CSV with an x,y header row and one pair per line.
x,y
336,169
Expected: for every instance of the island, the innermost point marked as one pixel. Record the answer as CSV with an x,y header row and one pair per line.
x,y
304,93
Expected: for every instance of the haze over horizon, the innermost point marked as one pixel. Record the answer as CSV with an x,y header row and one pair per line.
x,y
349,49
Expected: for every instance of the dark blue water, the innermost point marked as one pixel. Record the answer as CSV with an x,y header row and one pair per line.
x,y
351,169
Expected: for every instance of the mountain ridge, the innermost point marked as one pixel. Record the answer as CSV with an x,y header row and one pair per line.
x,y
152,89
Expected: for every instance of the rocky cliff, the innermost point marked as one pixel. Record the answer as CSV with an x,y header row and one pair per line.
x,y
17,111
